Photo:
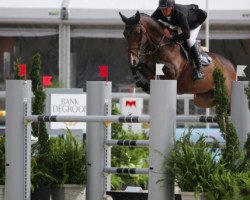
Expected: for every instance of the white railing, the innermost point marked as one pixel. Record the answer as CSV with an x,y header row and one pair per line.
x,y
185,97
186,103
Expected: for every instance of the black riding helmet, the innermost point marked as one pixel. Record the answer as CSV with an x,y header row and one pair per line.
x,y
166,3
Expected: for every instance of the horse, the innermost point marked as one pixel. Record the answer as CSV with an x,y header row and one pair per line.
x,y
148,45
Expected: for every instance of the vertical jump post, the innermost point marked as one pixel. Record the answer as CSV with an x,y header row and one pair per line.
x,y
161,138
240,113
18,143
162,131
98,103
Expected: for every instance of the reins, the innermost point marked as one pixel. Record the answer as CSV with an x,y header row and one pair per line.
x,y
157,46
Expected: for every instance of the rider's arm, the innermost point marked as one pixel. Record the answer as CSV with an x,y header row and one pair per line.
x,y
185,30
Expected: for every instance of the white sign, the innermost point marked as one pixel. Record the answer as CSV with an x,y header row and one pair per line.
x,y
68,105
132,106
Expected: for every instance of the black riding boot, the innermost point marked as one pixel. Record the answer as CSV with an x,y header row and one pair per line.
x,y
197,71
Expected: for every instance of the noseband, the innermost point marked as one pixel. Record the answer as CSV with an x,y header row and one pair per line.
x,y
129,29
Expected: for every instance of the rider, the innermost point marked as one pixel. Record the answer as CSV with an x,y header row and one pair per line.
x,y
188,18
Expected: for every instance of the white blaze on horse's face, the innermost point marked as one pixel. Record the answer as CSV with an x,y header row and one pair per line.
x,y
134,60
134,38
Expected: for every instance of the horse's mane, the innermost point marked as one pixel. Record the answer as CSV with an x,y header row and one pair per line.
x,y
145,18
148,21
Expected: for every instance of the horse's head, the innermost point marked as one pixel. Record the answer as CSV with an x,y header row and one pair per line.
x,y
143,35
133,34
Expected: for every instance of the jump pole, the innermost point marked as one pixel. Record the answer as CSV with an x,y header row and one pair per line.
x,y
240,113
18,143
98,157
161,137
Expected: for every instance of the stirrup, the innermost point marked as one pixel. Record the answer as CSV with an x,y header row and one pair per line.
x,y
198,74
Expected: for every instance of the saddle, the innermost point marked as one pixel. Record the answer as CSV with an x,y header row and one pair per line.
x,y
203,53
205,58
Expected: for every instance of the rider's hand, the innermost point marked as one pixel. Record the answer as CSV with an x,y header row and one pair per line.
x,y
167,33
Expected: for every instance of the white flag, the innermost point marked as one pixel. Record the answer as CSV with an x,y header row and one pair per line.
x,y
158,70
240,70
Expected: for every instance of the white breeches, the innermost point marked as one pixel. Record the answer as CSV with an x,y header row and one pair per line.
x,y
193,35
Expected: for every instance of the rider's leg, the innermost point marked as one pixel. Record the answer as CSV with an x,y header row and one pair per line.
x,y
197,72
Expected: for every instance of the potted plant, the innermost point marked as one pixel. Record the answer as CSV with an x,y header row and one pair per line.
x,y
41,176
192,163
2,166
67,163
221,174
232,181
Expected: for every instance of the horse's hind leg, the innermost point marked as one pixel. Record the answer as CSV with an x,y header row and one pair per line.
x,y
205,100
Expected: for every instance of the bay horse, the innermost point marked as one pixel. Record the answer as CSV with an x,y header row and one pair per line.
x,y
148,45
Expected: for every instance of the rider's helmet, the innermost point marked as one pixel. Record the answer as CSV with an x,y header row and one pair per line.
x,y
166,3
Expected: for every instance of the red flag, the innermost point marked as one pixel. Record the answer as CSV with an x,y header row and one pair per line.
x,y
47,81
103,71
130,103
22,70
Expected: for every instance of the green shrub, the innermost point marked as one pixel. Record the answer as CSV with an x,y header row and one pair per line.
x,y
128,157
41,175
38,105
63,164
192,163
227,185
247,91
67,160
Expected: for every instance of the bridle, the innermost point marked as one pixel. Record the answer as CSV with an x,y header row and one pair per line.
x,y
129,29
142,47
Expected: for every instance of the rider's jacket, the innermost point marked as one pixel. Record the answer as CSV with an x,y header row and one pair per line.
x,y
186,17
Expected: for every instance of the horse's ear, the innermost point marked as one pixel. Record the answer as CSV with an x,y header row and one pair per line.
x,y
124,19
137,16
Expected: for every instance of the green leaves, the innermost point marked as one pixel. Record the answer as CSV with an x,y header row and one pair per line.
x,y
127,157
16,69
231,153
40,173
131,157
227,185
35,73
192,163
67,159
38,104
64,163
247,91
